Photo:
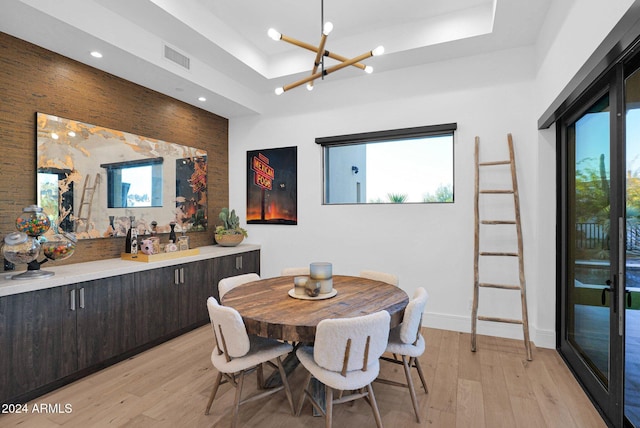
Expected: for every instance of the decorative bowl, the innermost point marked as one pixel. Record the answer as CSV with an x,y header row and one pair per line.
x,y
230,240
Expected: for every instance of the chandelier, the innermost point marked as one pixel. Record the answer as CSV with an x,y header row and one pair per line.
x,y
321,53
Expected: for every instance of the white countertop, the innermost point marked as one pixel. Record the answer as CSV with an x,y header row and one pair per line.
x,y
79,272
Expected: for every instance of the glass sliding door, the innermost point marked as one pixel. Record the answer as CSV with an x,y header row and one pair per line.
x,y
632,248
588,327
592,245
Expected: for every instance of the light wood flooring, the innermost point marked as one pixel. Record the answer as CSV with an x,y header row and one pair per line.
x,y
168,386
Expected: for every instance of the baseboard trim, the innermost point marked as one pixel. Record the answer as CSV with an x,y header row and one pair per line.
x,y
541,338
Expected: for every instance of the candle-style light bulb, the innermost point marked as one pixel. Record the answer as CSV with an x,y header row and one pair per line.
x,y
274,34
378,51
328,27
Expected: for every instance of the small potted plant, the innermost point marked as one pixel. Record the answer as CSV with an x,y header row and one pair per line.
x,y
229,234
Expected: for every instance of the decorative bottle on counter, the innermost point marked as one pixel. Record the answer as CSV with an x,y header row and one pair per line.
x,y
127,241
172,234
134,240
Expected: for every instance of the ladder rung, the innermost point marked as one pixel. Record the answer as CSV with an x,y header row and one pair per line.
x,y
489,253
505,192
505,162
502,286
496,319
498,222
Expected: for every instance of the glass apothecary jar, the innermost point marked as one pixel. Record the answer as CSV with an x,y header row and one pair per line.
x,y
58,246
20,248
33,221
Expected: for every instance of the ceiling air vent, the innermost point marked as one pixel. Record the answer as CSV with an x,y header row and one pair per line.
x,y
175,56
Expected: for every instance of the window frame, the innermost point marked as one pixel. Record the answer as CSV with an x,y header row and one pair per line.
x,y
384,136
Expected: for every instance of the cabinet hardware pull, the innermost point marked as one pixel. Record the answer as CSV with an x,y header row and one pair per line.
x,y
181,275
239,262
72,303
82,298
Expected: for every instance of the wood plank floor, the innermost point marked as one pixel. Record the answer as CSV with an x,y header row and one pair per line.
x,y
168,386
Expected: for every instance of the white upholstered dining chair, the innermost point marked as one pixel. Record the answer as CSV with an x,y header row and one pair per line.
x,y
407,344
227,284
345,357
297,271
236,354
389,278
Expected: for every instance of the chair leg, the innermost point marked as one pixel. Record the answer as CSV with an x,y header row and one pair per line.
x,y
419,369
260,376
216,384
374,406
285,382
412,391
236,404
328,402
304,393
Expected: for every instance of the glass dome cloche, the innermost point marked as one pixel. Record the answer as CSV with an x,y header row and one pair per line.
x,y
33,238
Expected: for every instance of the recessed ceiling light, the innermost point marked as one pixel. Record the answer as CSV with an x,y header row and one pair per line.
x,y
96,54
202,99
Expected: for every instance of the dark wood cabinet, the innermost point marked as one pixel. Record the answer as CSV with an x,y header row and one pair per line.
x,y
235,264
156,309
104,320
196,285
53,336
37,340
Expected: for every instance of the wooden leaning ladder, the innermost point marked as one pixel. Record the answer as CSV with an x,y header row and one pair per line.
x,y
87,201
477,285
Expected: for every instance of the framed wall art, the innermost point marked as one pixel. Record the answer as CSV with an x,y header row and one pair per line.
x,y
272,192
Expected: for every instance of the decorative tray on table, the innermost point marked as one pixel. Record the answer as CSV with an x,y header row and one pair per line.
x,y
332,293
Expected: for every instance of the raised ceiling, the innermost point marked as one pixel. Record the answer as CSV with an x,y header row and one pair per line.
x,y
236,66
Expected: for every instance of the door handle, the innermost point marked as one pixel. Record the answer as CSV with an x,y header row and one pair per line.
x,y
82,298
629,302
603,297
72,303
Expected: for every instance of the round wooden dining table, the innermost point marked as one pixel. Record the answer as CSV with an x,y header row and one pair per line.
x,y
268,311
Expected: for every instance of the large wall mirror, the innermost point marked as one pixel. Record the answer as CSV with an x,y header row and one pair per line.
x,y
92,180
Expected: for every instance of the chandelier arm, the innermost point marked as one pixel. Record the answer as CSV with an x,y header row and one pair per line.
x,y
302,81
315,49
348,62
329,70
342,59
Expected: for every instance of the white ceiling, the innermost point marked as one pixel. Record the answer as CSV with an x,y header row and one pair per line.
x,y
236,66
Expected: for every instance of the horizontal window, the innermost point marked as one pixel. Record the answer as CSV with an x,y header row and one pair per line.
x,y
411,165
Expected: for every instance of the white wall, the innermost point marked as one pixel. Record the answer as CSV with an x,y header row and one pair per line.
x,y
432,245
572,32
426,245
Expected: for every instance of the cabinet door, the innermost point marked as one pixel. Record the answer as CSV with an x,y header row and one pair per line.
x,y
37,340
235,264
155,296
196,286
104,321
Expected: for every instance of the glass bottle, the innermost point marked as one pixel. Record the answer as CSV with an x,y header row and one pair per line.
x,y
172,234
127,241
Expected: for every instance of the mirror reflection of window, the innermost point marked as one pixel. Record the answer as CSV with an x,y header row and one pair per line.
x,y
134,184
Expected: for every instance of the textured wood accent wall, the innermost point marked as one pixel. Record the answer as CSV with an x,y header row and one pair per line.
x,y
33,79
